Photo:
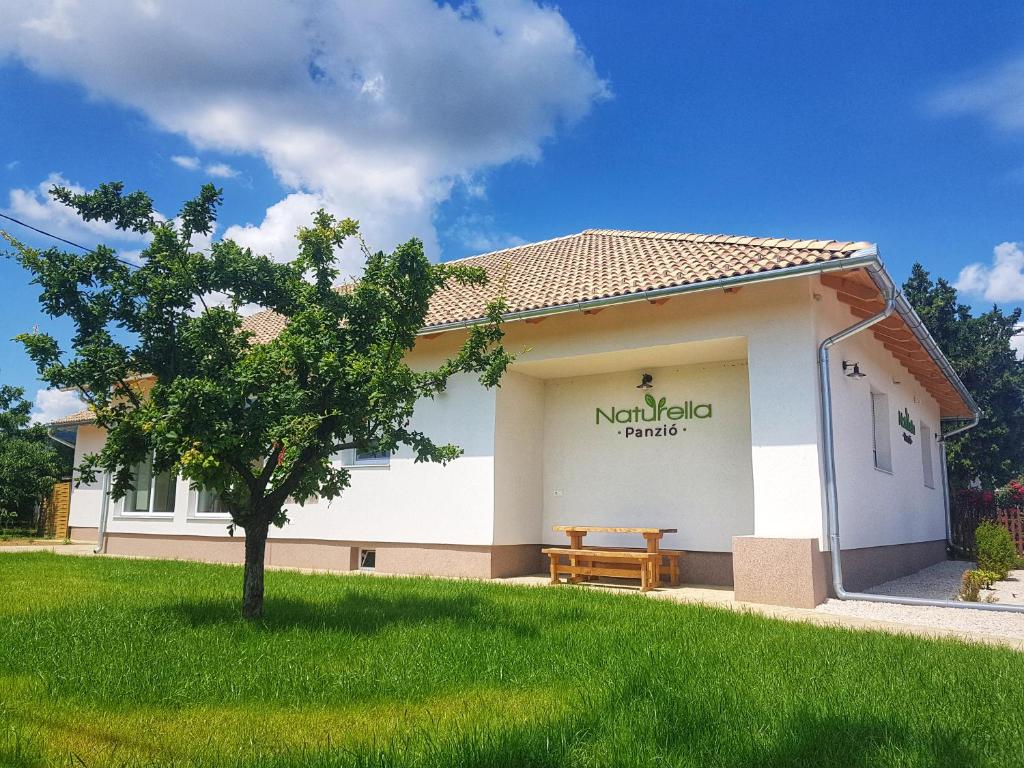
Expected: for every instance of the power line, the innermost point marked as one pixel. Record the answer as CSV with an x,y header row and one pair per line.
x,y
132,264
44,232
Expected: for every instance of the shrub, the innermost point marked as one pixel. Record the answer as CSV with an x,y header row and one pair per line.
x,y
970,587
996,551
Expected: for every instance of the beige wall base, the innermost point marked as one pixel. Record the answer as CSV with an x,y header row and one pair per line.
x,y
78,533
796,573
779,571
713,569
870,566
482,562
479,562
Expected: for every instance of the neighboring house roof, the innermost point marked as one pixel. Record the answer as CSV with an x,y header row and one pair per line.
x,y
74,419
600,264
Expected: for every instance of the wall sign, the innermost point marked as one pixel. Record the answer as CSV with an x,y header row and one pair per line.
x,y
907,425
653,411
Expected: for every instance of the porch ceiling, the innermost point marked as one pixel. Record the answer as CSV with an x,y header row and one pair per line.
x,y
688,353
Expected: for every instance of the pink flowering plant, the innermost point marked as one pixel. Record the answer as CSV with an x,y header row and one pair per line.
x,y
1011,495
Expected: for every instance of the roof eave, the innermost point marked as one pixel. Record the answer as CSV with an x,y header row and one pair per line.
x,y
862,258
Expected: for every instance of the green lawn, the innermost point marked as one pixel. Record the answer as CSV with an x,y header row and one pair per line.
x,y
131,662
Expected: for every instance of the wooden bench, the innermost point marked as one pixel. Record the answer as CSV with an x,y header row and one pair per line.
x,y
667,564
604,562
627,563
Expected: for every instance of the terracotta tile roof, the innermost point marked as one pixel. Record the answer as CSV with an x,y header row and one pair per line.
x,y
603,263
74,419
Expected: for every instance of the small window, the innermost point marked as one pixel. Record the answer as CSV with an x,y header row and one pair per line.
x,y
926,456
209,504
367,559
357,458
150,494
880,440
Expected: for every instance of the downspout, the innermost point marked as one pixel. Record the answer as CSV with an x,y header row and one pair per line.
x,y
892,298
942,438
101,539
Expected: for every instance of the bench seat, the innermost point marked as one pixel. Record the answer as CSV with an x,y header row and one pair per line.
x,y
617,563
667,561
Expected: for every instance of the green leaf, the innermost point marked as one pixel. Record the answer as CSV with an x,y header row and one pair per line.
x,y
649,399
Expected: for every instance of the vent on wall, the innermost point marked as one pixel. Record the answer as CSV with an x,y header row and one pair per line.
x,y
367,559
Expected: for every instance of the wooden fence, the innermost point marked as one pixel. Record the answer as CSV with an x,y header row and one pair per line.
x,y
56,509
969,508
1013,520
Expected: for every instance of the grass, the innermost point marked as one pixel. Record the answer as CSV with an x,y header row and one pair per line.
x,y
22,536
109,662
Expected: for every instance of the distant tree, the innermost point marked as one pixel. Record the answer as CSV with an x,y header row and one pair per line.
x,y
256,423
979,347
29,462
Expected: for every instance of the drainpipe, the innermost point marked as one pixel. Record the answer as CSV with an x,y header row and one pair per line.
x,y
942,438
101,539
892,300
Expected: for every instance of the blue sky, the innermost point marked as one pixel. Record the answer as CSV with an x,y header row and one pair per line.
x,y
504,122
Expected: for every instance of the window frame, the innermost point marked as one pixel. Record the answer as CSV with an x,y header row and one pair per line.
x,y
196,514
927,458
149,512
881,428
349,459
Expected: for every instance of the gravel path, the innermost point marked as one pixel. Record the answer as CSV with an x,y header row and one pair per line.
x,y
940,581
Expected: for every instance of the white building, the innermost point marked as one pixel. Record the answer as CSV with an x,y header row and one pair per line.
x,y
733,454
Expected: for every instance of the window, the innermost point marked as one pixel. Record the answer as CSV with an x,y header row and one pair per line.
x,y
880,431
926,456
356,458
367,559
150,494
209,504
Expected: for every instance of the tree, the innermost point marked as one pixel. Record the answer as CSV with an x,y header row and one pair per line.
x,y
29,462
256,423
980,351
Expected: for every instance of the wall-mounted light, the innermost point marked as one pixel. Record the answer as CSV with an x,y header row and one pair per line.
x,y
852,370
645,381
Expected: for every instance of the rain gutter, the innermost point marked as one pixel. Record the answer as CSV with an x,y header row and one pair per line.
x,y
894,302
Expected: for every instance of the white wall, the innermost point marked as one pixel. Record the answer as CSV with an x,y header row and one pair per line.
x,y
474,502
519,460
86,500
876,507
403,502
698,480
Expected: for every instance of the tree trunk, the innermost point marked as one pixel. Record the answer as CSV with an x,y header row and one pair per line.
x,y
252,586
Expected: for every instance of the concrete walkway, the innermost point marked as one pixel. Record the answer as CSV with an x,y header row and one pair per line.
x,y
998,629
74,548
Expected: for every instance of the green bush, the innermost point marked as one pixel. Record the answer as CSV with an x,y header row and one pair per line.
x,y
996,551
970,587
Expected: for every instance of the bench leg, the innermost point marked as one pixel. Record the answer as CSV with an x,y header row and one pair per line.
x,y
645,575
554,569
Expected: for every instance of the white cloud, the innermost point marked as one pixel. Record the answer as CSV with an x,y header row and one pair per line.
x,y
186,162
378,108
997,96
50,404
478,234
1002,281
221,171
1017,342
218,170
275,235
35,206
